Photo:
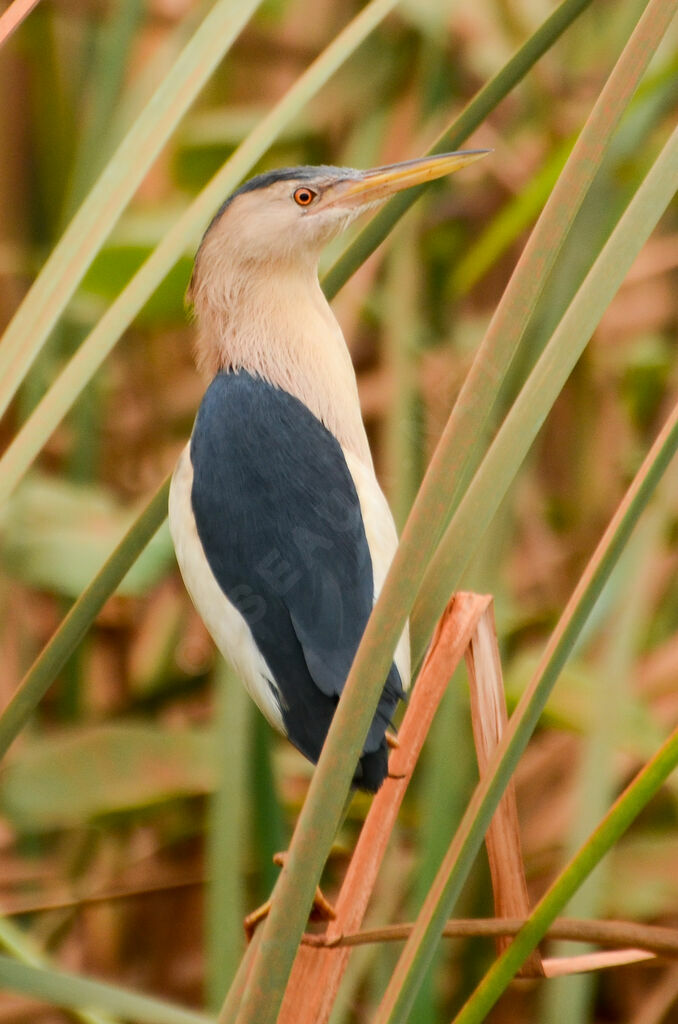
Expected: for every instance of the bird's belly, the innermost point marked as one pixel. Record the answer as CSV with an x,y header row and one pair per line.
x,y
383,541
226,625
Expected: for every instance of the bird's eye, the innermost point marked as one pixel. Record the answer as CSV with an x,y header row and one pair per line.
x,y
304,196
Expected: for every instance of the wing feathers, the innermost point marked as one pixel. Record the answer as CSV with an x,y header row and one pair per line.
x,y
281,526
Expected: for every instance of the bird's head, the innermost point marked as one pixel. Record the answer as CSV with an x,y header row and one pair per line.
x,y
285,217
255,290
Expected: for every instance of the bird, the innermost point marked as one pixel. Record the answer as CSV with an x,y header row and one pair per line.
x,y
281,530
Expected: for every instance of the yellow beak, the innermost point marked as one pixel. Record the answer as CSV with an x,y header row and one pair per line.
x,y
382,182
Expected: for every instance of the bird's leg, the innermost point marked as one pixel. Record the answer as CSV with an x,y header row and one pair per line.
x,y
392,741
322,909
251,921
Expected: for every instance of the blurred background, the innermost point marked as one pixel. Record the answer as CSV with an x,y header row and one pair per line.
x,y
133,838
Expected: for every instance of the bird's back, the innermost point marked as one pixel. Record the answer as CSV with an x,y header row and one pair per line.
x,y
279,523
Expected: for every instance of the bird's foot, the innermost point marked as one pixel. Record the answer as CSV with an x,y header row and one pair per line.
x,y
251,921
392,741
322,909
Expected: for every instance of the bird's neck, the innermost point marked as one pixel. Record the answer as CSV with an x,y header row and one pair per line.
x,y
280,327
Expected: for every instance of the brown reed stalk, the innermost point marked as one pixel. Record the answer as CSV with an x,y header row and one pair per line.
x,y
317,973
489,719
11,18
467,628
651,939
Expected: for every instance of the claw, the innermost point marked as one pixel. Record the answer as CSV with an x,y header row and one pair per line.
x,y
252,920
322,909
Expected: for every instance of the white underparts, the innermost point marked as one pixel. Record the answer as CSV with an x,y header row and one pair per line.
x,y
260,309
225,623
382,540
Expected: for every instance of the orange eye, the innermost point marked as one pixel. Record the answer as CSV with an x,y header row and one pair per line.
x,y
304,196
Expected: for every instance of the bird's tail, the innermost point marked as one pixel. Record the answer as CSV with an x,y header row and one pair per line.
x,y
373,766
372,769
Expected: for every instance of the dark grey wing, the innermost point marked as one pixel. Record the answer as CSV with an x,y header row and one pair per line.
x,y
279,520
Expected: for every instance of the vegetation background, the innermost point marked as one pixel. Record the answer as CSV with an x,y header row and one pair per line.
x,y
141,806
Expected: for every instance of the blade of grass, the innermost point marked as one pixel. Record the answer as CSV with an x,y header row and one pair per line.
x,y
316,980
53,124
651,199
65,267
441,799
614,824
402,317
360,973
528,413
597,773
459,451
489,96
41,674
39,427
656,92
73,992
30,439
227,835
115,37
37,680
268,824
102,339
506,227
239,983
342,801
24,949
48,415
329,786
633,145
480,107
109,44
11,18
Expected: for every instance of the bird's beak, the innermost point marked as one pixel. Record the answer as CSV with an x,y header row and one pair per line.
x,y
381,182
